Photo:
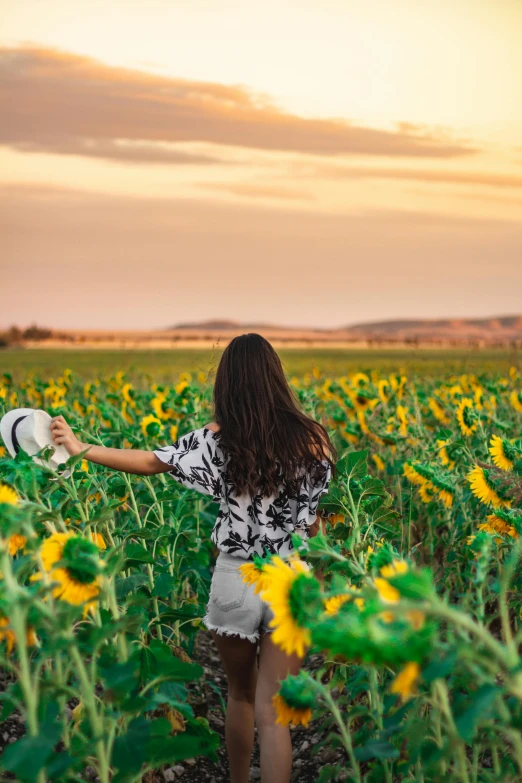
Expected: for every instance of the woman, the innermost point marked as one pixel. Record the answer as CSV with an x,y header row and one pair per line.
x,y
267,464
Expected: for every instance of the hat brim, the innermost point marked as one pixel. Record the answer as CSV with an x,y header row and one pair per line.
x,y
6,426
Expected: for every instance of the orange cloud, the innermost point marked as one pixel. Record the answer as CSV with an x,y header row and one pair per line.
x,y
326,171
61,102
251,190
113,150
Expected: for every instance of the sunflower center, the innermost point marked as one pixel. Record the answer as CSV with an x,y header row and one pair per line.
x,y
510,452
80,558
297,693
469,416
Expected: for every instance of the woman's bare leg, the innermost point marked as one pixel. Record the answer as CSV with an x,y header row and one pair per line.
x,y
240,664
274,739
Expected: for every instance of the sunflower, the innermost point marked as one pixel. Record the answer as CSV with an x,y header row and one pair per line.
x,y
252,574
388,593
361,400
384,390
515,399
478,394
467,417
175,718
438,411
127,392
481,488
398,384
405,682
8,495
173,433
158,406
412,475
502,453
98,539
446,496
336,519
415,617
379,463
427,492
495,524
334,603
443,454
430,483
402,415
126,415
16,543
150,425
294,702
74,563
10,638
281,577
181,386
359,379
395,568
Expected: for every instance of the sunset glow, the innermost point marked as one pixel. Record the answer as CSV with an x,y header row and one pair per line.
x,y
301,163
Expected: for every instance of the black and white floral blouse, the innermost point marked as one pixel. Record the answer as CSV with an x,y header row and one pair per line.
x,y
245,524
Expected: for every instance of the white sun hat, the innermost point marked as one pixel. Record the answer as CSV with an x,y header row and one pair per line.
x,y
29,430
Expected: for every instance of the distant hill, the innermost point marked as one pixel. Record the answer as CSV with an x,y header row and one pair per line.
x,y
222,324
496,331
507,327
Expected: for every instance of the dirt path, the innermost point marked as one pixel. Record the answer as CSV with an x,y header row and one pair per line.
x,y
208,698
307,762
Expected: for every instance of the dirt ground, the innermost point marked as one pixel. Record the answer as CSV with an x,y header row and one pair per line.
x,y
307,763
209,700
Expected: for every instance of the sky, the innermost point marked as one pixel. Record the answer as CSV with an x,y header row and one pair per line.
x,y
298,163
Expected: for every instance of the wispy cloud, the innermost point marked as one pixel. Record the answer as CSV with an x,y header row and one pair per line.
x,y
253,190
61,102
114,150
332,172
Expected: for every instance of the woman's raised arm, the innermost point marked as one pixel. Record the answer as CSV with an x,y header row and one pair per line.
x,y
143,463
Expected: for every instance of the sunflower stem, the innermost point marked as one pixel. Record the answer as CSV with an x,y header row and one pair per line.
x,y
18,623
345,731
95,719
443,699
505,580
149,566
457,618
115,610
376,708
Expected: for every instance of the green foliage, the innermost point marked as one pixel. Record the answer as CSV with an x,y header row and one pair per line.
x,y
422,678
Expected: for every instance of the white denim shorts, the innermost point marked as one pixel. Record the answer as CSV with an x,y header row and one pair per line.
x,y
233,607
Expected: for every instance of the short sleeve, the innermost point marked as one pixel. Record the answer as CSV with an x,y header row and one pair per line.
x,y
312,489
196,461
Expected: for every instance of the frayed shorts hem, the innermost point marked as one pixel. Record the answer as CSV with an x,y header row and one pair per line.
x,y
252,637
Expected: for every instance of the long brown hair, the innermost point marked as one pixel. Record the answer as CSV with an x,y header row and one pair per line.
x,y
262,427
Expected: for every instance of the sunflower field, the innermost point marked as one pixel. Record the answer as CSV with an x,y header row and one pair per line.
x,y
412,594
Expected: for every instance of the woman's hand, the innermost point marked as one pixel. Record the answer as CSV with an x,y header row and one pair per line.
x,y
63,435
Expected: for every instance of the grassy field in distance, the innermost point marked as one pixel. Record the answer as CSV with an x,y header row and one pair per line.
x,y
163,365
